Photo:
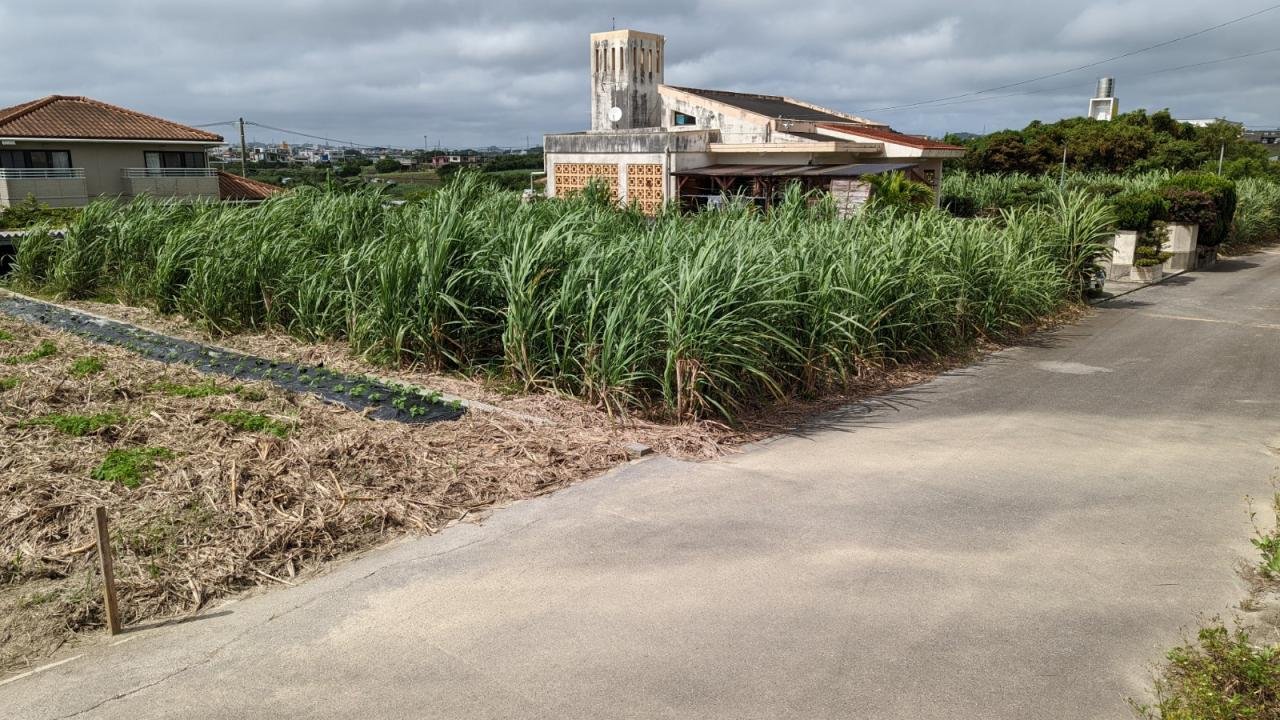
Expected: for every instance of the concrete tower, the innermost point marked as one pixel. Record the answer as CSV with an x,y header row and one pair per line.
x,y
1105,105
626,70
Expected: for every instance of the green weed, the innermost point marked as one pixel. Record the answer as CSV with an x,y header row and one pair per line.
x,y
86,366
251,394
45,349
78,425
1267,541
1222,676
9,383
246,421
129,466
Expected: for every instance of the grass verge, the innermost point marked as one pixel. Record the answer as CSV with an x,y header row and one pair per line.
x,y
1227,673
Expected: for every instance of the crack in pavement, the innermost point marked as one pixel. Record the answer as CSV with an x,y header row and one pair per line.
x,y
203,661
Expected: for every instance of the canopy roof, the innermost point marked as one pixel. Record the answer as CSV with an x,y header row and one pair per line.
x,y
851,170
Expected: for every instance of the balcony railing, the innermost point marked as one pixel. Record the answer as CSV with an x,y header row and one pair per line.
x,y
168,172
41,173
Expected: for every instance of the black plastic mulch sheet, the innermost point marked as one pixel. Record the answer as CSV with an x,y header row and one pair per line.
x,y
383,400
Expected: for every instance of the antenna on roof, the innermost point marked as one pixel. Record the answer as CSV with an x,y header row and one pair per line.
x,y
613,23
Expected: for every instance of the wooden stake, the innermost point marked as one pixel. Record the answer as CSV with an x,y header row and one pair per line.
x,y
108,572
235,495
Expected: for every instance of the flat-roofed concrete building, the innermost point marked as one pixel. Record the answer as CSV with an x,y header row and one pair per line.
x,y
652,143
67,150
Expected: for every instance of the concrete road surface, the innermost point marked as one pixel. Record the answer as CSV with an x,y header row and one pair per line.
x,y
1020,539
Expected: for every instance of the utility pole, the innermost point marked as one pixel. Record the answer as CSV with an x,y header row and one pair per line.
x,y
244,153
1062,179
1222,151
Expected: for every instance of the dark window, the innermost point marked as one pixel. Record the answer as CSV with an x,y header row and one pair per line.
x,y
44,159
682,119
170,159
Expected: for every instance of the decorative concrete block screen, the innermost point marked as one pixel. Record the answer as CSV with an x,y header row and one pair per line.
x,y
644,186
573,177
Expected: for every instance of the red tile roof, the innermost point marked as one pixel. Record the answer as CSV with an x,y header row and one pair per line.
x,y
888,135
82,118
234,187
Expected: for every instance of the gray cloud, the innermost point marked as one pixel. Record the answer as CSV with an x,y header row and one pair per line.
x,y
468,73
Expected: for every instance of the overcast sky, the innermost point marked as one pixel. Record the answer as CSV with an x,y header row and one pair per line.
x,y
491,72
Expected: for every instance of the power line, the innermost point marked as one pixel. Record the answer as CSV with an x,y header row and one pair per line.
x,y
1060,73
1076,85
313,137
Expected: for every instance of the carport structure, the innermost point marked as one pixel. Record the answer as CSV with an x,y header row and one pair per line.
x,y
765,184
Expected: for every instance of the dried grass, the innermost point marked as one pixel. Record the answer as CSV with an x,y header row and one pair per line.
x,y
230,510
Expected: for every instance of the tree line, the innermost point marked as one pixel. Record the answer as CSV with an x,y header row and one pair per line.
x,y
1133,142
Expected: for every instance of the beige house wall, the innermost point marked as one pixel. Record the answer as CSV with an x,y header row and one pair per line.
x,y
103,164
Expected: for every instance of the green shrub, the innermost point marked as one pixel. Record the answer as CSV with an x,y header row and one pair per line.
x,y
1147,253
1202,199
1257,218
1149,256
129,466
1191,207
31,212
1139,209
896,190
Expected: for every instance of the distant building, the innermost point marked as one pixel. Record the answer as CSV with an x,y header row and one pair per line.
x,y
67,150
1263,137
652,143
1105,106
1270,138
1206,122
442,160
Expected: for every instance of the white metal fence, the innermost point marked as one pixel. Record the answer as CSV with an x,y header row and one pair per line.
x,y
41,173
168,172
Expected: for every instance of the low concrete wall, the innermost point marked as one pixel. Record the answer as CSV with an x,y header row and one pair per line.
x,y
1180,239
630,141
54,192
184,187
1123,246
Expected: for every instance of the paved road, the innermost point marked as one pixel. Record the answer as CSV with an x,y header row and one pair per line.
x,y
1020,539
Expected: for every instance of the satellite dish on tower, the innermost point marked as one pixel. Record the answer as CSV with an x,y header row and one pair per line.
x,y
615,114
